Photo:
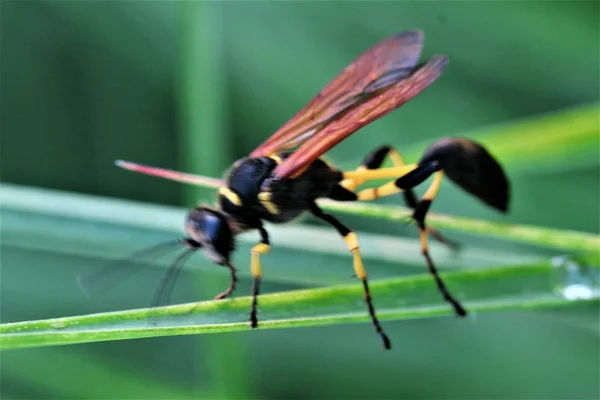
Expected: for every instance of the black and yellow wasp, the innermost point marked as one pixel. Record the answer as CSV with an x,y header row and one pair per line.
x,y
286,174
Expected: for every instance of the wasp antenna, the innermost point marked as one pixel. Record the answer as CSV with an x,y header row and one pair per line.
x,y
98,281
128,165
170,174
167,282
83,286
132,166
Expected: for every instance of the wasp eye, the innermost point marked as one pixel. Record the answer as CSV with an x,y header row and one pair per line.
x,y
211,230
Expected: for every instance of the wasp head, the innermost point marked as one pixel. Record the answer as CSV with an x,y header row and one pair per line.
x,y
209,229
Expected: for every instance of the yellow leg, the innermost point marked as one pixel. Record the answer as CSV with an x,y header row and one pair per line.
x,y
423,207
359,269
367,172
352,184
374,161
352,242
434,188
365,175
375,193
256,270
353,179
255,253
397,161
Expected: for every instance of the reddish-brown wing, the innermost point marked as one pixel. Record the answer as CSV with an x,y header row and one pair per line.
x,y
382,65
388,99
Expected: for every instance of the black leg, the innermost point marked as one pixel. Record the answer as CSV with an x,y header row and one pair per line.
x,y
254,305
255,266
227,292
419,217
352,242
405,183
375,159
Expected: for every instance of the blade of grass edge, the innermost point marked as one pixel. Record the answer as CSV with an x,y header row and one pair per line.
x,y
97,208
533,286
547,237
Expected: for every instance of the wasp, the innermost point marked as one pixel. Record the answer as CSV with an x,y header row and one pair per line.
x,y
283,177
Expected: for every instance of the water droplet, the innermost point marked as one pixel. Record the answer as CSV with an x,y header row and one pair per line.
x,y
577,282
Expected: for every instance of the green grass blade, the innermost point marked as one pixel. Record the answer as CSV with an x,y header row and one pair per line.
x,y
534,286
100,228
136,214
548,237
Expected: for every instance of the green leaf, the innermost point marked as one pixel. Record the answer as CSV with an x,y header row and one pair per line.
x,y
519,287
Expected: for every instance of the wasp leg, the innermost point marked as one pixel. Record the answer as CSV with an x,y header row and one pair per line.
x,y
419,217
410,176
374,161
227,292
405,182
352,242
255,268
364,175
411,201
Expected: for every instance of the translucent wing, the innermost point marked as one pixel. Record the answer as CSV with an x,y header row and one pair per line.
x,y
385,64
172,175
390,98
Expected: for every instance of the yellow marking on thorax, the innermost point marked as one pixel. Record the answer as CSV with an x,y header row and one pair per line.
x,y
230,195
265,200
275,158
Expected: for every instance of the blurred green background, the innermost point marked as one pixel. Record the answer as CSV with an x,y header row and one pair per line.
x,y
196,85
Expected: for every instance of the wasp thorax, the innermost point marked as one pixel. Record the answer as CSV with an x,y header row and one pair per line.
x,y
210,229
